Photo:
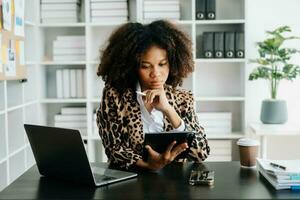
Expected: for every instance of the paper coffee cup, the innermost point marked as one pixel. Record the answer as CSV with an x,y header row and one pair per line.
x,y
248,151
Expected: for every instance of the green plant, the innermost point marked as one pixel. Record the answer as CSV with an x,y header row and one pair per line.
x,y
274,60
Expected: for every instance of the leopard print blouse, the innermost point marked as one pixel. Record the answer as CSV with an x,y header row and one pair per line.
x,y
121,128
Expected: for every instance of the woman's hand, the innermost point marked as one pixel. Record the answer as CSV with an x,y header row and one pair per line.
x,y
157,161
157,99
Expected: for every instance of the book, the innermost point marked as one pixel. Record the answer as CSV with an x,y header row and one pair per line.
x,y
71,124
214,115
109,5
60,1
229,44
109,19
61,6
219,44
59,20
208,44
84,83
239,45
60,13
161,3
73,83
111,12
68,44
71,38
66,83
69,57
271,172
157,15
154,8
69,51
200,9
64,118
210,9
79,78
59,83
73,110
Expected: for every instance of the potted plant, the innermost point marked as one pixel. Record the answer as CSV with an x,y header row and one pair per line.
x,y
274,65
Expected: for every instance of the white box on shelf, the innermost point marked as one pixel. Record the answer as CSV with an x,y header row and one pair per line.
x,y
66,83
107,13
79,78
59,84
109,5
73,110
63,118
73,83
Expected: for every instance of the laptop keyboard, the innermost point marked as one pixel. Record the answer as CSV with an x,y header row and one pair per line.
x,y
100,178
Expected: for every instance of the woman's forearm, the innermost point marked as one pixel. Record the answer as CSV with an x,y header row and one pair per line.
x,y
173,116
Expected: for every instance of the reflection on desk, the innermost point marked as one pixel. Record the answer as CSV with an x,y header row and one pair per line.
x,y
231,182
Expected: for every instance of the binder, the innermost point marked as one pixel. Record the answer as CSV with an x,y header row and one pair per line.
x,y
239,45
229,44
210,9
200,9
208,44
219,44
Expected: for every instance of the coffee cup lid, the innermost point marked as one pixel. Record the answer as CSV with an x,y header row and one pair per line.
x,y
247,142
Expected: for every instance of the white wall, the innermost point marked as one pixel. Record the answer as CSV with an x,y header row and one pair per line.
x,y
262,15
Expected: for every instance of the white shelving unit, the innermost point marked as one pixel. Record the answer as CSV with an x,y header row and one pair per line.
x,y
218,84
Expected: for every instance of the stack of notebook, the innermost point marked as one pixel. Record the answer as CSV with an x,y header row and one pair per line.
x,y
169,9
282,174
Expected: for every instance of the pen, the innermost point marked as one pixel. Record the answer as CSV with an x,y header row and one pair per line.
x,y
277,165
140,93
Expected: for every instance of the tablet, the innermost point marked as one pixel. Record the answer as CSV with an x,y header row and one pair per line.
x,y
161,140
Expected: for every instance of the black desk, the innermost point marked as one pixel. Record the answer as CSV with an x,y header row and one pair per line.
x,y
231,182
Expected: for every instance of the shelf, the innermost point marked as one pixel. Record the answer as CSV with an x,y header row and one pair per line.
x,y
220,98
79,24
96,100
63,100
234,135
225,21
222,60
62,63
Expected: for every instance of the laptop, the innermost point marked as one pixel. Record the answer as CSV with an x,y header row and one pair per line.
x,y
60,153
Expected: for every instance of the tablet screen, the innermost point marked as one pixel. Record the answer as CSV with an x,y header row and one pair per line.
x,y
161,140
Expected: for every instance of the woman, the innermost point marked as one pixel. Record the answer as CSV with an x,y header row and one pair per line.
x,y
141,66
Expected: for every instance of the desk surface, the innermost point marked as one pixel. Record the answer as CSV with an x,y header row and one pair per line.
x,y
231,182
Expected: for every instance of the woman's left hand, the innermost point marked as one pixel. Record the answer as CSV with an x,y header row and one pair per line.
x,y
157,99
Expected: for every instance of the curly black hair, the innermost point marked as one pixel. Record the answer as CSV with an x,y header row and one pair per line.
x,y
121,58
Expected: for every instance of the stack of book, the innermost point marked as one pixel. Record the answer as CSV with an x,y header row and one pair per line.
x,y
70,83
59,11
281,174
69,48
72,118
168,9
109,11
220,150
215,122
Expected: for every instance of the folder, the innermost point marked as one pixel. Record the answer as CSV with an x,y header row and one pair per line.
x,y
229,44
208,44
210,9
200,9
239,45
219,44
